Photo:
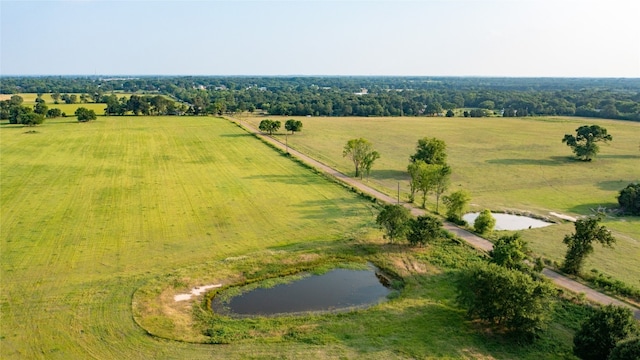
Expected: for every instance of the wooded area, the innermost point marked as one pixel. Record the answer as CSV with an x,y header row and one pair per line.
x,y
361,96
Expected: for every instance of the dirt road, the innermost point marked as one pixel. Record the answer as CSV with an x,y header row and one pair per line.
x,y
474,240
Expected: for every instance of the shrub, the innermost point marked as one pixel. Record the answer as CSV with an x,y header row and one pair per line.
x,y
508,299
484,222
626,350
629,199
600,333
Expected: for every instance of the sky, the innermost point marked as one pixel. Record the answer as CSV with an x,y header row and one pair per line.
x,y
510,38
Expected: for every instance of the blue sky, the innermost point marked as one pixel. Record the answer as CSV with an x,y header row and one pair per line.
x,y
564,38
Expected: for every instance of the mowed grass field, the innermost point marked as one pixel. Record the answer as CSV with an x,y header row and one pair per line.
x,y
506,164
92,211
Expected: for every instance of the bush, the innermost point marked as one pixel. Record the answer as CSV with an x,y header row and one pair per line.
x,y
626,350
601,332
629,199
484,222
508,299
510,251
423,229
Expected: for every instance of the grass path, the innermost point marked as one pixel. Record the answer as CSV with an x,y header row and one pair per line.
x,y
472,239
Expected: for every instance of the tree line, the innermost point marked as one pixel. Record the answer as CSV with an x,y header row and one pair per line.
x,y
364,96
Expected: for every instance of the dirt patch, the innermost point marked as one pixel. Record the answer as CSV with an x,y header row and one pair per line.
x,y
563,216
409,265
196,291
5,97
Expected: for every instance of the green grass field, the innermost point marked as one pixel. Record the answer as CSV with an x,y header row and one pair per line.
x,y
89,211
29,99
506,164
94,212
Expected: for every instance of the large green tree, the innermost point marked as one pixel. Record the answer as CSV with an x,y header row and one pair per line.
x,y
509,300
361,153
629,199
30,119
580,243
395,220
431,151
269,126
85,114
600,333
584,143
293,125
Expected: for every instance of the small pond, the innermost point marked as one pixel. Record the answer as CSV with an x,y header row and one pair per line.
x,y
338,289
509,221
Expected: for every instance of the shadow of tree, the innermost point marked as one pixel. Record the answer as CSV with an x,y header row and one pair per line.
x,y
390,174
593,208
551,161
614,185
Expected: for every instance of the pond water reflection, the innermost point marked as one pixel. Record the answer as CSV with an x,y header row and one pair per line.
x,y
509,221
335,290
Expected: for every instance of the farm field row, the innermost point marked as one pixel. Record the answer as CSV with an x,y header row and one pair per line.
x,y
507,164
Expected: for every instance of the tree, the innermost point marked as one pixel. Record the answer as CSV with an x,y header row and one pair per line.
x,y
584,144
85,114
423,229
293,125
441,182
450,113
628,349
40,108
16,100
394,219
16,111
509,300
600,333
423,179
55,112
431,151
509,251
360,151
433,108
367,163
456,204
485,222
114,106
30,119
269,126
629,199
580,243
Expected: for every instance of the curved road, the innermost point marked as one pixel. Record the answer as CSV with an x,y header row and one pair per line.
x,y
471,238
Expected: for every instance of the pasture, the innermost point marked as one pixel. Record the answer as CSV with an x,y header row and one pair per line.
x,y
69,109
94,212
517,164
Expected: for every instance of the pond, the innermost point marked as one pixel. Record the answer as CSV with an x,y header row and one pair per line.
x,y
338,289
509,221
